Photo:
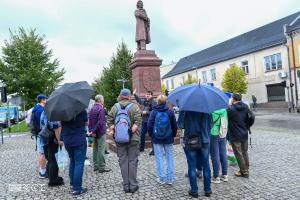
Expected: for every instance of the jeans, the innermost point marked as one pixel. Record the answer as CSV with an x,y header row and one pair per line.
x,y
218,153
240,149
50,150
77,158
99,153
143,135
192,158
160,150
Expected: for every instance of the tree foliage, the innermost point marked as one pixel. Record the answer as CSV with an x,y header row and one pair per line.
x,y
107,84
28,67
234,80
163,88
190,80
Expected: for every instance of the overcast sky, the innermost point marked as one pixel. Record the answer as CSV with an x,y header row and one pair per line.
x,y
84,33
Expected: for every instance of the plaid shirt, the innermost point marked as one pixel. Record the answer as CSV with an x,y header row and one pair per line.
x,y
97,120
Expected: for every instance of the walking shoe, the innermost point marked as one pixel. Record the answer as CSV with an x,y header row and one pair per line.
x,y
224,178
159,181
133,190
239,174
216,180
57,183
42,176
207,194
106,152
170,182
104,170
151,153
82,191
194,195
127,191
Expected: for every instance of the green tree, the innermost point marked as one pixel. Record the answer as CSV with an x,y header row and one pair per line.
x,y
190,80
27,65
107,84
234,80
163,88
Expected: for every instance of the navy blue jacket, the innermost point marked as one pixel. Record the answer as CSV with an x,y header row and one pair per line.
x,y
195,123
237,122
162,108
73,132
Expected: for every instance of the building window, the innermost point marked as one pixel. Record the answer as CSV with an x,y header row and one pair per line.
x,y
273,62
168,86
299,51
213,74
172,84
204,77
183,79
245,66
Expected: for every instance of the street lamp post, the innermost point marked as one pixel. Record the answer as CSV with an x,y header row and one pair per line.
x,y
123,81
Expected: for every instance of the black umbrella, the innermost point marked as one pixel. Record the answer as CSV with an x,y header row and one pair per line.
x,y
68,101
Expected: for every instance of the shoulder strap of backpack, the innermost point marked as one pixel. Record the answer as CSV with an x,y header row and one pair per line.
x,y
118,106
128,106
219,118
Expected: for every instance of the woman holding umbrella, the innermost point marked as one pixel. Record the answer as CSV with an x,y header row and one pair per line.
x,y
68,104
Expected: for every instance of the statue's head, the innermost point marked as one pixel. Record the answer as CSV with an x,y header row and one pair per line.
x,y
139,4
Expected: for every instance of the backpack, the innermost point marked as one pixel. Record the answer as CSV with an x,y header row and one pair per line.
x,y
162,126
122,124
223,127
250,119
33,124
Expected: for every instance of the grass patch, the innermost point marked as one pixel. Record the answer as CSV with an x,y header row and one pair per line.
x,y
17,128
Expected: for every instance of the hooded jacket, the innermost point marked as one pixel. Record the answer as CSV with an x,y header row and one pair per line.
x,y
151,122
237,126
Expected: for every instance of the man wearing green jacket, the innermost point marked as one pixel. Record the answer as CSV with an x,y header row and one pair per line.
x,y
128,152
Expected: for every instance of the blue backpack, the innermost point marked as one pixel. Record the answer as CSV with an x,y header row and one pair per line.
x,y
122,124
162,126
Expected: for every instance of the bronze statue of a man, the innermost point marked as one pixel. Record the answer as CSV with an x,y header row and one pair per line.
x,y
142,36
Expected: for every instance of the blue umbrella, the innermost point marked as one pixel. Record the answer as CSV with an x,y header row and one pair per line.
x,y
199,98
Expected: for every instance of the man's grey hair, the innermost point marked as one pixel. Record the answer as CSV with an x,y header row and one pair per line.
x,y
99,98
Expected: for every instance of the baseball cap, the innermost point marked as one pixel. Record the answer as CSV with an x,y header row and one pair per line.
x,y
125,92
41,97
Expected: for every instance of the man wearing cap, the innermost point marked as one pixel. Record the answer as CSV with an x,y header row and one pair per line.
x,y
128,152
37,110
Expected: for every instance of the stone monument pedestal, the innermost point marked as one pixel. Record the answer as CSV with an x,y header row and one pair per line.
x,y
145,68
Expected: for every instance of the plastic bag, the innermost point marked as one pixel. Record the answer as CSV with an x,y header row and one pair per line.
x,y
230,155
62,158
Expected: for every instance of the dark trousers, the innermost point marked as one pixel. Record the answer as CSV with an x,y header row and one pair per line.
x,y
240,149
50,150
128,160
143,135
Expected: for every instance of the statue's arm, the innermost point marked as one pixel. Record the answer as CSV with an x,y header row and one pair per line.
x,y
141,15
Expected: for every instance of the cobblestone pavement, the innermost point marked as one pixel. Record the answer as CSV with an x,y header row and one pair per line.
x,y
274,170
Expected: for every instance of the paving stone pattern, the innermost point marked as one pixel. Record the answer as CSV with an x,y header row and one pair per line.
x,y
274,172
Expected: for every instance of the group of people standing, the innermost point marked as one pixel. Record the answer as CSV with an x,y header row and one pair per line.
x,y
205,135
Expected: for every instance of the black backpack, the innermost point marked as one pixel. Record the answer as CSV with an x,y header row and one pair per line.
x,y
34,127
250,119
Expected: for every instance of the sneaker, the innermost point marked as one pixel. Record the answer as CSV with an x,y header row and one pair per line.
x,y
194,195
42,176
133,190
151,153
104,170
224,178
106,152
82,191
159,181
239,174
170,182
216,180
